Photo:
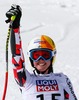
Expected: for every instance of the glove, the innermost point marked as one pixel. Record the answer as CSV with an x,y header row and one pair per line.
x,y
14,11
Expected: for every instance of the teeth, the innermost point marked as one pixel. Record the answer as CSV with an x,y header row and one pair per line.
x,y
41,64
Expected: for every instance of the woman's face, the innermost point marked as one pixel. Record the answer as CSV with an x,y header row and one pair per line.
x,y
42,65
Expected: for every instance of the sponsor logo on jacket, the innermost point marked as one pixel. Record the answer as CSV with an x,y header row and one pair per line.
x,y
46,85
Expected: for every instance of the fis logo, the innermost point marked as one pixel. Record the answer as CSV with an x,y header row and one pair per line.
x,y
46,85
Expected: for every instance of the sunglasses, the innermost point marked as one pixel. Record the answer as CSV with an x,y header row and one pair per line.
x,y
44,54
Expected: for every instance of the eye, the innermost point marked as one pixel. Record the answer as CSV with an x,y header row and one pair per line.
x,y
36,55
46,55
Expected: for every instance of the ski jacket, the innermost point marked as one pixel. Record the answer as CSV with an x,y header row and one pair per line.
x,y
53,86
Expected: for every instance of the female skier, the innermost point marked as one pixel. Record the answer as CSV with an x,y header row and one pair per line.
x,y
43,84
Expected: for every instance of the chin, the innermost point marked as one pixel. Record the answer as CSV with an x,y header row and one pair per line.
x,y
41,70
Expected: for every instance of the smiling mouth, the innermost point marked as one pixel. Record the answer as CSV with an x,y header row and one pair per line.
x,y
41,64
